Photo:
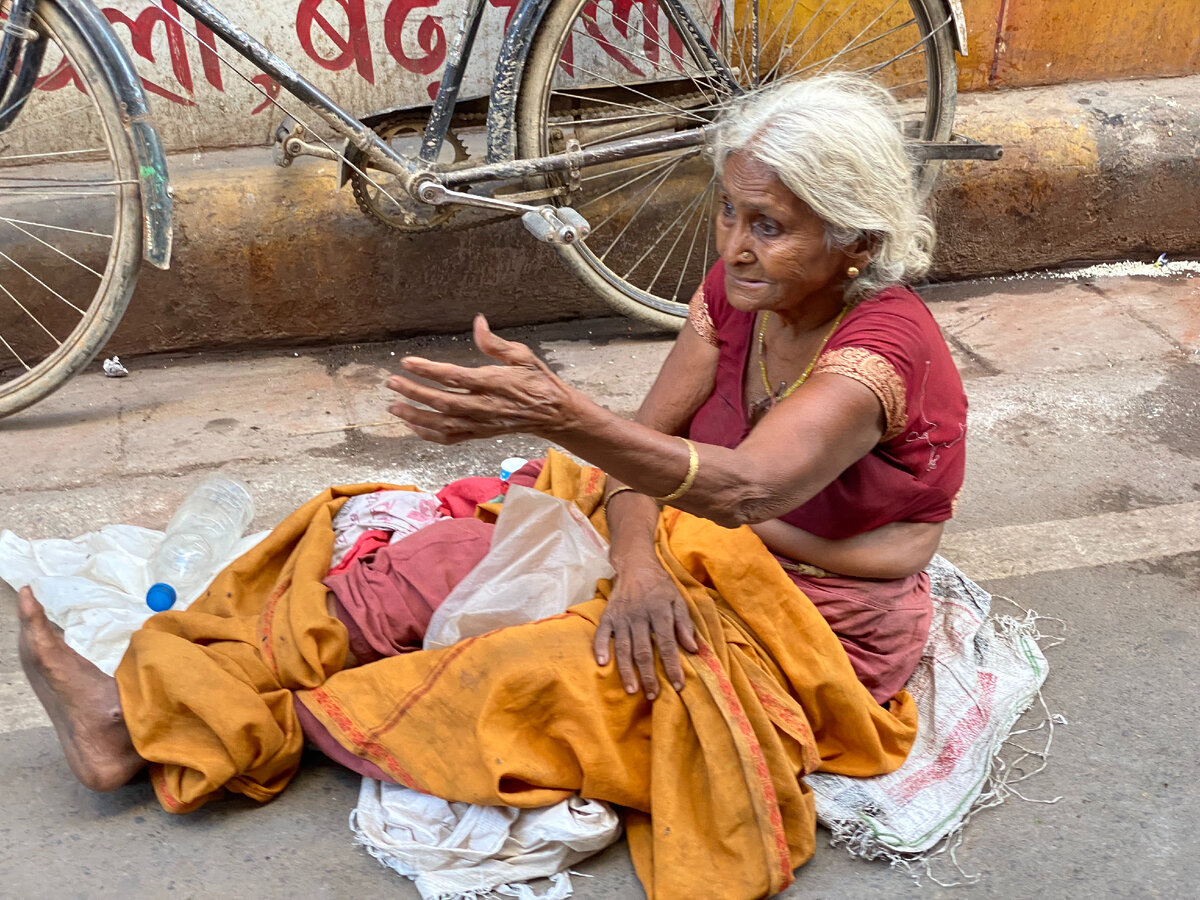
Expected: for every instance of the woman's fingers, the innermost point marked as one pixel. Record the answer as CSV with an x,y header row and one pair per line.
x,y
439,428
463,403
448,402
631,642
643,658
604,633
685,630
509,353
668,649
644,627
446,375
623,651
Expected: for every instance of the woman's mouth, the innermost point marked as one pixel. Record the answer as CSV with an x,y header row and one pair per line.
x,y
746,284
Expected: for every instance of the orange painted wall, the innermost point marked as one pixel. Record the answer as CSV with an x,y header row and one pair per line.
x,y
1011,43
1019,43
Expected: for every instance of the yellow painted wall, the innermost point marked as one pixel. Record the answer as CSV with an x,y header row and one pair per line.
x,y
1018,43
1011,43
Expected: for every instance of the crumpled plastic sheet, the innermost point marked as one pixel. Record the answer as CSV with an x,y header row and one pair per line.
x,y
545,557
93,587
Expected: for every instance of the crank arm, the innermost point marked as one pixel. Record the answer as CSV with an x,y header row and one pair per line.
x,y
551,225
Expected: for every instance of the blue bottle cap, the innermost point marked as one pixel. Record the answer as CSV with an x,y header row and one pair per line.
x,y
160,596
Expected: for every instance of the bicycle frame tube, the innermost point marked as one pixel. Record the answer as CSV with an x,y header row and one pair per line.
x,y
447,95
685,23
361,136
15,28
506,80
560,162
17,92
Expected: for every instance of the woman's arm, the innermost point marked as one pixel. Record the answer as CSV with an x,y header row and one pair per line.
x,y
645,610
794,451
890,551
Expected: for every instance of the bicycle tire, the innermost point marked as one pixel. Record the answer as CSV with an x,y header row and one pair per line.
x,y
536,126
42,369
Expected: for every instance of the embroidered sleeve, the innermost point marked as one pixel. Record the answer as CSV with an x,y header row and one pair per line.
x,y
701,321
876,373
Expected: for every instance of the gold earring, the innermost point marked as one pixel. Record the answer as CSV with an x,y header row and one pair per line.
x,y
852,271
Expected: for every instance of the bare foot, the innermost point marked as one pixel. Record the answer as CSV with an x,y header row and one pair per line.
x,y
82,702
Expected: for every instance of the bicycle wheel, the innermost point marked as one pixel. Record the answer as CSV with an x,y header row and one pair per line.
x,y
70,219
597,74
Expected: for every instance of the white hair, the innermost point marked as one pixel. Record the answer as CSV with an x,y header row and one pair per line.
x,y
835,142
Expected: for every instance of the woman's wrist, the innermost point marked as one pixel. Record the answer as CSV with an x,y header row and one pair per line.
x,y
615,492
575,418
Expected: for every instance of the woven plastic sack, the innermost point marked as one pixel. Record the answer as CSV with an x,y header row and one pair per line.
x,y
977,676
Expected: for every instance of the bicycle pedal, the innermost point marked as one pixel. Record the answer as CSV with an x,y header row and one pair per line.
x,y
556,226
575,220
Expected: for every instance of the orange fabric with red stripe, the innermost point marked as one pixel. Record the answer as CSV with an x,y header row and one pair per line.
x,y
711,777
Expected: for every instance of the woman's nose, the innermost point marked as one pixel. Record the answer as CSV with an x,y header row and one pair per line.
x,y
738,245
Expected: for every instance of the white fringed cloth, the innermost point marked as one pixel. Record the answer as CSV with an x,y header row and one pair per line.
x,y
979,673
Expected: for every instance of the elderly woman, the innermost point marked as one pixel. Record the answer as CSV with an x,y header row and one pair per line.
x,y
810,398
815,396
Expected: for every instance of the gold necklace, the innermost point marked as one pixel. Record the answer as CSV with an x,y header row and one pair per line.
x,y
786,391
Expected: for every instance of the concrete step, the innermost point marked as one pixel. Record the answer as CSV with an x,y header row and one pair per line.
x,y
264,255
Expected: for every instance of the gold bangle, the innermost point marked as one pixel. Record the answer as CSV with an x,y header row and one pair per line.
x,y
608,499
689,478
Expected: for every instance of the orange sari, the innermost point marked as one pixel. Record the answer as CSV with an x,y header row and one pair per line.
x,y
711,777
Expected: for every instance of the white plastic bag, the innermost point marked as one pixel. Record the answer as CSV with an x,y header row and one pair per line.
x,y
93,587
545,557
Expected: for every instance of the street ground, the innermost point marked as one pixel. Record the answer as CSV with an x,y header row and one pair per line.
x,y
1082,502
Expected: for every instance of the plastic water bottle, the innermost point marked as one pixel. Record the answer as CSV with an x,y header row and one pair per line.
x,y
201,534
510,466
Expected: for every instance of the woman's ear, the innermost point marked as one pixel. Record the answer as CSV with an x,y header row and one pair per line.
x,y
862,251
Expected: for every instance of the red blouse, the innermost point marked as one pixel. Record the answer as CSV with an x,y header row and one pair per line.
x,y
890,343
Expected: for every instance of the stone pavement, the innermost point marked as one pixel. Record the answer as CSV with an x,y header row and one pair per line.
x,y
1082,501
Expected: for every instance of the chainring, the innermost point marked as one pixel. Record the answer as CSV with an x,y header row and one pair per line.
x,y
395,208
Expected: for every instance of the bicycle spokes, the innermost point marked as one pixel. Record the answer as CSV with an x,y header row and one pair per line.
x,y
629,69
69,216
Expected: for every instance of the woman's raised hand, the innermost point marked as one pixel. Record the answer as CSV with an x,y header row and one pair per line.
x,y
645,610
520,394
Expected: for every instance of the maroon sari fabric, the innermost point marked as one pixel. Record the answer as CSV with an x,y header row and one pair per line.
x,y
915,473
891,343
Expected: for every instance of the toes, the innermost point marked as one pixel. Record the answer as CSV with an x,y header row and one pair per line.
x,y
28,607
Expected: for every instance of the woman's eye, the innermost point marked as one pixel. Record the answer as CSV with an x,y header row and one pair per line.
x,y
767,227
726,208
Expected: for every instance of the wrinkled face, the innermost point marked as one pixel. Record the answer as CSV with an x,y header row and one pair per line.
x,y
772,243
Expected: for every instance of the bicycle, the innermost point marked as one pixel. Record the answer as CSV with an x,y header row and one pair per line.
x,y
596,129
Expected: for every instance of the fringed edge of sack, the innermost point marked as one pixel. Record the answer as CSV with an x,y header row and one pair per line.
x,y
859,840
